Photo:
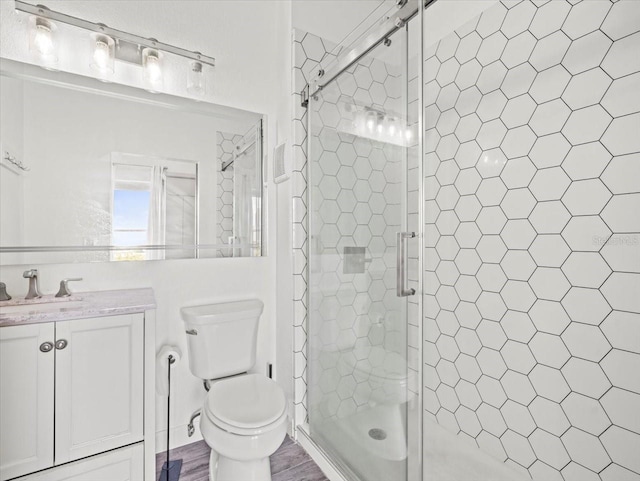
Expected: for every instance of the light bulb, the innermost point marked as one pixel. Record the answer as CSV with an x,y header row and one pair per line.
x,y
103,57
152,64
42,41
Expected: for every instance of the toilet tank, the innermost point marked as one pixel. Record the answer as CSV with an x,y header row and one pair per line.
x,y
222,338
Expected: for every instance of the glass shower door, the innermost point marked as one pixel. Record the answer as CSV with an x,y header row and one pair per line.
x,y
363,267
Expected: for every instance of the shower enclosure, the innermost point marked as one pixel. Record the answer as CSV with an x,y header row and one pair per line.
x,y
364,238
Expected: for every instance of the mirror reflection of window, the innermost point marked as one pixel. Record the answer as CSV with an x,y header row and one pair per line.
x,y
153,205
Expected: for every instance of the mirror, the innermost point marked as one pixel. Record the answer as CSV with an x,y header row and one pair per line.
x,y
93,171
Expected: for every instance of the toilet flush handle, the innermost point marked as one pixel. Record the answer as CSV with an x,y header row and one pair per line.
x,y
192,332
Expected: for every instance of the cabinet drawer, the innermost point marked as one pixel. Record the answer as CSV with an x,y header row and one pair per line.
x,y
124,464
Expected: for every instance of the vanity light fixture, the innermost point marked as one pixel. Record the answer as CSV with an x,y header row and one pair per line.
x,y
103,54
109,45
42,41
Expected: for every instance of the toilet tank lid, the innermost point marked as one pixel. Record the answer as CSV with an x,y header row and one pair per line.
x,y
222,311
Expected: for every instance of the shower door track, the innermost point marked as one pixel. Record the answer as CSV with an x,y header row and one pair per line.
x,y
371,41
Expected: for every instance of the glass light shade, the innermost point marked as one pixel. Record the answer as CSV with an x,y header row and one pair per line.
x,y
42,41
196,81
102,54
152,67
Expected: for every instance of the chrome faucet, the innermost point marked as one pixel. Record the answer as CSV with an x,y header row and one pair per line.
x,y
4,296
34,287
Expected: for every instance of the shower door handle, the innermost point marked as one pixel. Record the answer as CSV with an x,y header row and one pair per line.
x,y
401,264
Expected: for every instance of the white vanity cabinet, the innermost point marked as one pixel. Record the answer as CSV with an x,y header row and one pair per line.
x,y
72,399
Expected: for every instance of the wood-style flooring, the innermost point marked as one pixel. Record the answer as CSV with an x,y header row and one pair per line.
x,y
289,463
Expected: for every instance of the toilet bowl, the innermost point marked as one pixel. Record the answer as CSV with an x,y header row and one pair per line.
x,y
244,421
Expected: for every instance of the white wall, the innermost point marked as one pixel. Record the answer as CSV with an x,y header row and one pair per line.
x,y
252,48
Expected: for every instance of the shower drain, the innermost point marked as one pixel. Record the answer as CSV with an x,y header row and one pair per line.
x,y
377,434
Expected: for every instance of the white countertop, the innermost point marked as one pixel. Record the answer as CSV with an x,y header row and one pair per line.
x,y
80,305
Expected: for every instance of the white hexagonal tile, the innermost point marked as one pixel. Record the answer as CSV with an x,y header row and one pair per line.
x,y
518,449
622,174
491,48
620,21
622,330
446,394
623,98
468,47
586,269
615,214
586,125
549,416
518,265
518,172
586,233
621,368
518,295
586,197
447,47
491,20
586,89
468,261
491,77
469,344
518,326
468,421
618,403
550,184
518,142
518,357
468,315
518,49
518,387
550,84
549,217
491,163
548,447
518,19
549,283
491,105
586,413
623,447
518,80
447,273
491,191
313,47
549,250
549,151
549,350
447,97
585,377
540,470
447,197
586,342
447,172
518,203
550,117
491,248
490,332
620,60
549,51
468,235
447,348
468,128
586,52
518,111
549,18
518,234
584,18
586,305
468,394
468,207
491,134
587,161
549,383
492,364
491,220
448,71
491,419
518,418
585,449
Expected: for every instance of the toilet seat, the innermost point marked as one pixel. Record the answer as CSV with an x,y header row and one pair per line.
x,y
246,405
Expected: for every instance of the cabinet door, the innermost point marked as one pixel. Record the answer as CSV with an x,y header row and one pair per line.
x,y
26,399
124,464
99,385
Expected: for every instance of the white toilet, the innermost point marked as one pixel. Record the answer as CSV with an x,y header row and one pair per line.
x,y
244,417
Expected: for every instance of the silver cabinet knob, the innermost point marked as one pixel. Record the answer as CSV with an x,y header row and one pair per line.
x,y
61,344
46,347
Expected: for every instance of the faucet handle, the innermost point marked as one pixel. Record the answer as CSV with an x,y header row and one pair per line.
x,y
30,273
64,286
4,296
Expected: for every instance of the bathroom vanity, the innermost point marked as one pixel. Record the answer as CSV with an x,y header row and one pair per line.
x,y
77,388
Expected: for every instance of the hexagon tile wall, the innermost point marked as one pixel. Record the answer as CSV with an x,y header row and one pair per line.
x,y
532,304
225,143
